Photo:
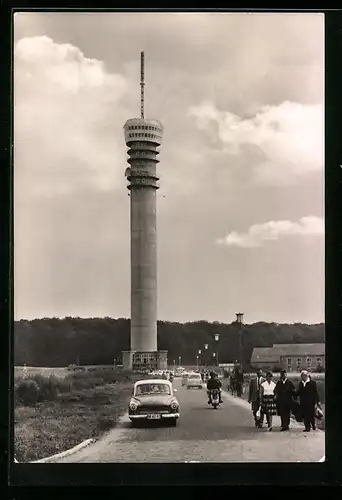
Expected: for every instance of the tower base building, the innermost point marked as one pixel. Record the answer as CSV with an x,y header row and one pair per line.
x,y
139,361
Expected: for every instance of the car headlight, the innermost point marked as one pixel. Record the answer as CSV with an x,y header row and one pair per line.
x,y
133,405
174,405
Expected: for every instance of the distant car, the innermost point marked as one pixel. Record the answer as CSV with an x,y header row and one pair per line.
x,y
76,368
194,380
153,399
185,376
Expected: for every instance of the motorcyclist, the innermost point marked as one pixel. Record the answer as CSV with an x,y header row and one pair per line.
x,y
220,385
213,383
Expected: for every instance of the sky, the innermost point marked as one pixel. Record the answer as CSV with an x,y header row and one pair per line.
x,y
240,204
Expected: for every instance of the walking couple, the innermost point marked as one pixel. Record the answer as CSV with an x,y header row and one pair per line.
x,y
280,398
261,396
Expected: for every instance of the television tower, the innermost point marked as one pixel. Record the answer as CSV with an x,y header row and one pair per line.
x,y
143,137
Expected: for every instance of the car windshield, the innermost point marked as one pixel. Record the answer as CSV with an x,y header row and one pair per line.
x,y
144,389
194,376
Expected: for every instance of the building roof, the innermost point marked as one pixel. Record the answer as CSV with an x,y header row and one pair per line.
x,y
264,355
299,349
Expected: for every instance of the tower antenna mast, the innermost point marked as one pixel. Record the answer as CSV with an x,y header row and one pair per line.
x,y
142,83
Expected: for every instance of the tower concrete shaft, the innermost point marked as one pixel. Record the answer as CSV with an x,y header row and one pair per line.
x,y
143,137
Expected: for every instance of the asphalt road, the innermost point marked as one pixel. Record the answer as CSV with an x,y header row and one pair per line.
x,y
203,435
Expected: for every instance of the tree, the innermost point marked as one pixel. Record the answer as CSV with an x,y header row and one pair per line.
x,y
97,341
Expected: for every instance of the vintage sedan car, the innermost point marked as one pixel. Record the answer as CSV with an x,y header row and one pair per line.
x,y
185,376
194,380
153,399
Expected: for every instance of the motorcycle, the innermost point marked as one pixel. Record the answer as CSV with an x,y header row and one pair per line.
x,y
214,398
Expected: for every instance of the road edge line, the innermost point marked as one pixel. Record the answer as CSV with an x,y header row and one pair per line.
x,y
65,453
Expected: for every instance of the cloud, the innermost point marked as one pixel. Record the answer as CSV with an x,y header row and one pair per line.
x,y
71,205
273,230
63,108
286,141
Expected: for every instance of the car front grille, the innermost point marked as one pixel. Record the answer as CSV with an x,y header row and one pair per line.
x,y
154,409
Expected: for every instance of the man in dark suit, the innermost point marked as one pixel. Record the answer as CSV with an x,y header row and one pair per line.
x,y
308,399
238,377
254,397
284,397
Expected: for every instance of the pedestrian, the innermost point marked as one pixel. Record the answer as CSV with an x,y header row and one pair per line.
x,y
268,406
284,396
232,383
239,382
308,399
254,397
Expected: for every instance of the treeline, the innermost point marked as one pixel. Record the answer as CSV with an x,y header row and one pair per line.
x,y
98,341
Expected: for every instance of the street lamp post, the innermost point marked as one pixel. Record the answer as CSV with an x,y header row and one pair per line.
x,y
206,355
239,320
197,362
179,360
174,366
217,339
199,356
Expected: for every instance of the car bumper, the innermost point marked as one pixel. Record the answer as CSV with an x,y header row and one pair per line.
x,y
161,415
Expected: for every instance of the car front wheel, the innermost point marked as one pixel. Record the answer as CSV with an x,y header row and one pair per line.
x,y
173,422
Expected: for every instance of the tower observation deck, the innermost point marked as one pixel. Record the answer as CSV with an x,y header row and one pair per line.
x,y
143,138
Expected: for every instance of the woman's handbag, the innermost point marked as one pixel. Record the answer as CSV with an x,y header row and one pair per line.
x,y
319,413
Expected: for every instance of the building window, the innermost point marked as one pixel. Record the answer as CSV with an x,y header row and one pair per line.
x,y
308,362
319,361
289,363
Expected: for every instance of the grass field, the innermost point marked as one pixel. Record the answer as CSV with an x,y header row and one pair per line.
x,y
80,406
38,370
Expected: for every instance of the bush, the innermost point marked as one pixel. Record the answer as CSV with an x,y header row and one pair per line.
x,y
27,392
48,387
87,382
64,386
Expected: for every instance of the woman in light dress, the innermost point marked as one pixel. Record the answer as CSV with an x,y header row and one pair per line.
x,y
268,406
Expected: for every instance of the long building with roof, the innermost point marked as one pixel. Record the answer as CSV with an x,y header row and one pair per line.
x,y
291,357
